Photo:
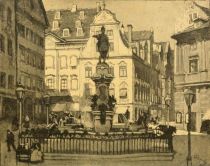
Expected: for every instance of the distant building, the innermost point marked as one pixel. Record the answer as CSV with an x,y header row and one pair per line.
x,y
192,66
71,57
7,58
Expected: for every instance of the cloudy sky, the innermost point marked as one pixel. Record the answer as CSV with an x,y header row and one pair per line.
x,y
161,16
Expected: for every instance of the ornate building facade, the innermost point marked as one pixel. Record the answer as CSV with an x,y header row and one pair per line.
x,y
71,57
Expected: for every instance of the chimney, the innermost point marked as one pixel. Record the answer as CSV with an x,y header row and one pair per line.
x,y
74,8
130,28
98,6
103,5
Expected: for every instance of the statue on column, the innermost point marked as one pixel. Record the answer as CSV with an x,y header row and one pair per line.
x,y
102,44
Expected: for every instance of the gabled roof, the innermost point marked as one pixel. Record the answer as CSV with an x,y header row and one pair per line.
x,y
140,35
204,9
68,20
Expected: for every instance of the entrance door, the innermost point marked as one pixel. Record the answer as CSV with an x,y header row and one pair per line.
x,y
193,121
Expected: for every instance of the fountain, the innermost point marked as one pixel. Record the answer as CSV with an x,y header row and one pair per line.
x,y
102,103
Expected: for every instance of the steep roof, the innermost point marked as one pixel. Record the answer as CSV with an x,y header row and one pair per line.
x,y
140,35
204,9
68,20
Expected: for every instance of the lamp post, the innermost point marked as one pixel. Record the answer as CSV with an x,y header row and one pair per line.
x,y
47,103
168,102
189,96
19,93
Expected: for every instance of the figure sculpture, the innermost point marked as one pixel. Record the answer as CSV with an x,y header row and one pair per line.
x,y
102,44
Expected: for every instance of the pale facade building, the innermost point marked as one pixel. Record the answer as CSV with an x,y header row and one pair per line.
x,y
192,66
71,57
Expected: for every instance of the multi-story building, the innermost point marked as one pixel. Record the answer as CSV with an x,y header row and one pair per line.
x,y
192,66
71,58
31,23
7,58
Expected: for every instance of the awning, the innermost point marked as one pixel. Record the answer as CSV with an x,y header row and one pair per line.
x,y
60,107
206,115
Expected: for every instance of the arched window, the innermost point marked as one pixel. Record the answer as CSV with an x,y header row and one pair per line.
x,y
49,62
123,69
55,25
123,91
66,32
63,62
74,82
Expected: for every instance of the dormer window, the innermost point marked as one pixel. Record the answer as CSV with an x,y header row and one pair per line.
x,y
55,25
192,17
80,32
78,24
66,32
82,15
57,15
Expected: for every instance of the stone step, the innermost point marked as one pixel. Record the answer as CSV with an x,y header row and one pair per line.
x,y
136,157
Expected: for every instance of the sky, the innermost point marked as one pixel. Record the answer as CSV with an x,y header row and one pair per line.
x,y
160,16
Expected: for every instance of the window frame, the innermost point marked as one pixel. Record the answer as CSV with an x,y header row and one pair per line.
x,y
195,59
66,30
64,83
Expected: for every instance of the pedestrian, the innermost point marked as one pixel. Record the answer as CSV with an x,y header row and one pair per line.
x,y
27,122
10,140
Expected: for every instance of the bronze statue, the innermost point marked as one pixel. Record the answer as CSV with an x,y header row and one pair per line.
x,y
102,44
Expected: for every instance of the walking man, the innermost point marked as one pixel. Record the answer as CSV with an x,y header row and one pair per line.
x,y
10,140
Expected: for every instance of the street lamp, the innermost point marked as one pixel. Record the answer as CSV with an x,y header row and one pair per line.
x,y
47,103
189,96
20,93
168,102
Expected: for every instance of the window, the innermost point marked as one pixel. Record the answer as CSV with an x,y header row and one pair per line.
x,y
9,48
64,84
123,91
55,25
21,30
63,62
111,46
82,15
123,69
49,62
2,48
9,16
80,32
50,83
178,117
193,65
1,12
73,61
88,72
65,32
2,79
57,15
22,53
74,83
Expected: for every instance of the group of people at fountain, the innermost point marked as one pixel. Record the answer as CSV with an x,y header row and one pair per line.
x,y
62,120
